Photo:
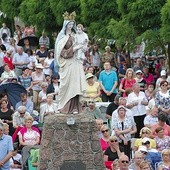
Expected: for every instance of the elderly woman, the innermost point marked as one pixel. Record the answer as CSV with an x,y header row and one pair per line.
x,y
93,110
8,74
48,109
18,120
29,135
127,82
123,127
165,165
162,99
161,123
137,103
163,77
144,132
92,88
114,150
138,157
162,141
104,141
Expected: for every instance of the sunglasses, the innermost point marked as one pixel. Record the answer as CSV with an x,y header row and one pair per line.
x,y
144,132
143,152
91,102
103,131
125,161
22,113
164,85
146,143
112,141
139,158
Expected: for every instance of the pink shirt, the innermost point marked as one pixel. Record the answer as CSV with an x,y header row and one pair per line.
x,y
127,84
165,127
149,79
104,144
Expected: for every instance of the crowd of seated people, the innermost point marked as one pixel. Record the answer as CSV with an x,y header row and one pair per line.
x,y
137,100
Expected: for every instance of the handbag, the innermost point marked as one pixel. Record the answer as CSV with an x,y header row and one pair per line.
x,y
16,162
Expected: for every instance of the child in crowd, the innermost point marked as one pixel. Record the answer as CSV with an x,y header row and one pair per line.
x,y
16,159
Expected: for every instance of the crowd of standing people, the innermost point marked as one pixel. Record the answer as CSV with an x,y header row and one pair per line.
x,y
133,131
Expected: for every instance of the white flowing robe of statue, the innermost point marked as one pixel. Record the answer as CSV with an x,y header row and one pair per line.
x,y
72,76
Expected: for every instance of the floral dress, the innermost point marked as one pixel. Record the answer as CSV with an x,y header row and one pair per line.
x,y
163,143
163,100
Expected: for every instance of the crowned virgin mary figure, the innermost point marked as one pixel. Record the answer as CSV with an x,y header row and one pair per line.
x,y
72,76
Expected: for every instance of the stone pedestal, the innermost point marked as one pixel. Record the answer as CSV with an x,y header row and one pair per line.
x,y
70,147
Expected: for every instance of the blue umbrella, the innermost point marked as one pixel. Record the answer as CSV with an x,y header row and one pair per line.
x,y
13,91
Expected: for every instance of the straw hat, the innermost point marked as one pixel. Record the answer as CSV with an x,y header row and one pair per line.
x,y
39,65
89,75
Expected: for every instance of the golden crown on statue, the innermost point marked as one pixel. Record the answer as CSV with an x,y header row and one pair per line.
x,y
70,16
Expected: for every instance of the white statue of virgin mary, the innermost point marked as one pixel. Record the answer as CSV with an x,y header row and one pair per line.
x,y
72,76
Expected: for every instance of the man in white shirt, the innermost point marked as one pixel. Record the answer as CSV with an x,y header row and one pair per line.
x,y
20,60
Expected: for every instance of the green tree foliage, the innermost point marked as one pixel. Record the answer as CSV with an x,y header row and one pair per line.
x,y
122,32
10,7
58,7
165,29
145,14
123,6
38,13
96,16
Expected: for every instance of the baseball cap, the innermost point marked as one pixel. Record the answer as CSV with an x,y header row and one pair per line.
x,y
138,71
145,139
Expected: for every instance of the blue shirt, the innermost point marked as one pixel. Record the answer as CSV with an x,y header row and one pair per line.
x,y
108,80
29,106
26,82
6,146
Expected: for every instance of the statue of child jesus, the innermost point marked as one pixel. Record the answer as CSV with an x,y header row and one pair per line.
x,y
81,38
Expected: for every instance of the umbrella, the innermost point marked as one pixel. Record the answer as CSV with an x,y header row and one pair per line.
x,y
13,91
33,41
